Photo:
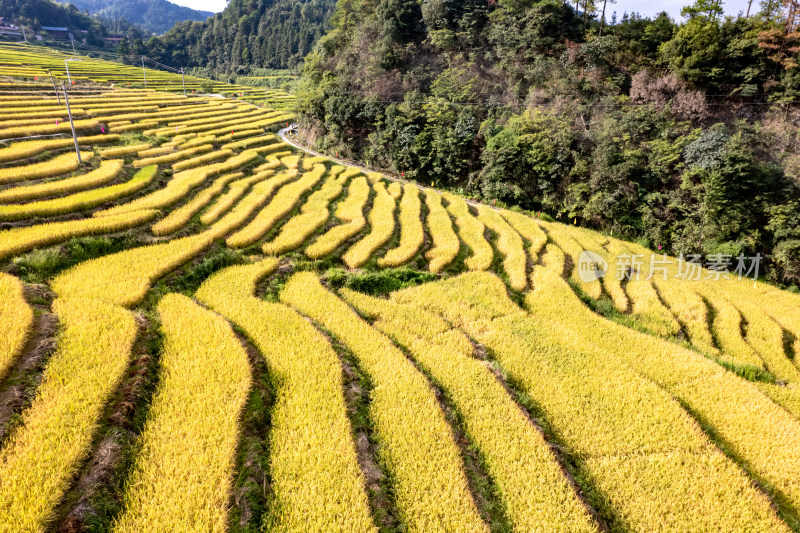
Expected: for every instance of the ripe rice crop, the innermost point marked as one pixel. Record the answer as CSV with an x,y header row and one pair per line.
x,y
79,201
180,185
41,457
57,166
509,243
158,150
189,433
107,171
395,190
351,212
19,240
317,484
532,486
445,241
197,141
17,319
381,220
646,465
179,217
123,150
170,158
202,160
25,149
690,310
529,229
594,289
236,190
415,441
312,215
46,129
259,140
412,234
280,206
755,429
470,229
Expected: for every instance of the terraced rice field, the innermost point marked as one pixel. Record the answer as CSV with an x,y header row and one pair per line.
x,y
204,329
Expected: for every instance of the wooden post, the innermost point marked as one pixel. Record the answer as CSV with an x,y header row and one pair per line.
x,y
144,73
66,66
54,86
72,125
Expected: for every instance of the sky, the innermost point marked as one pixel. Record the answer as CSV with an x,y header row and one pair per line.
x,y
643,7
203,5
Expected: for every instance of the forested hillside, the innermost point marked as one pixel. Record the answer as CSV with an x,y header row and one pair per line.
x,y
249,33
37,13
156,16
684,135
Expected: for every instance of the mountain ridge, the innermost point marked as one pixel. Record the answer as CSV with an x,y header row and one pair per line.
x,y
156,16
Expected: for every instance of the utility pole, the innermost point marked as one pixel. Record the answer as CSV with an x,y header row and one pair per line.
x,y
183,80
73,47
144,73
24,35
66,66
54,86
72,125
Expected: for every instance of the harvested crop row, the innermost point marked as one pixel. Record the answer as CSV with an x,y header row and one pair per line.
x,y
179,217
645,467
175,156
317,485
351,211
312,216
19,240
509,243
761,434
192,427
16,318
57,166
123,150
534,490
415,441
180,185
79,201
412,234
25,149
445,241
283,203
381,220
470,229
107,171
